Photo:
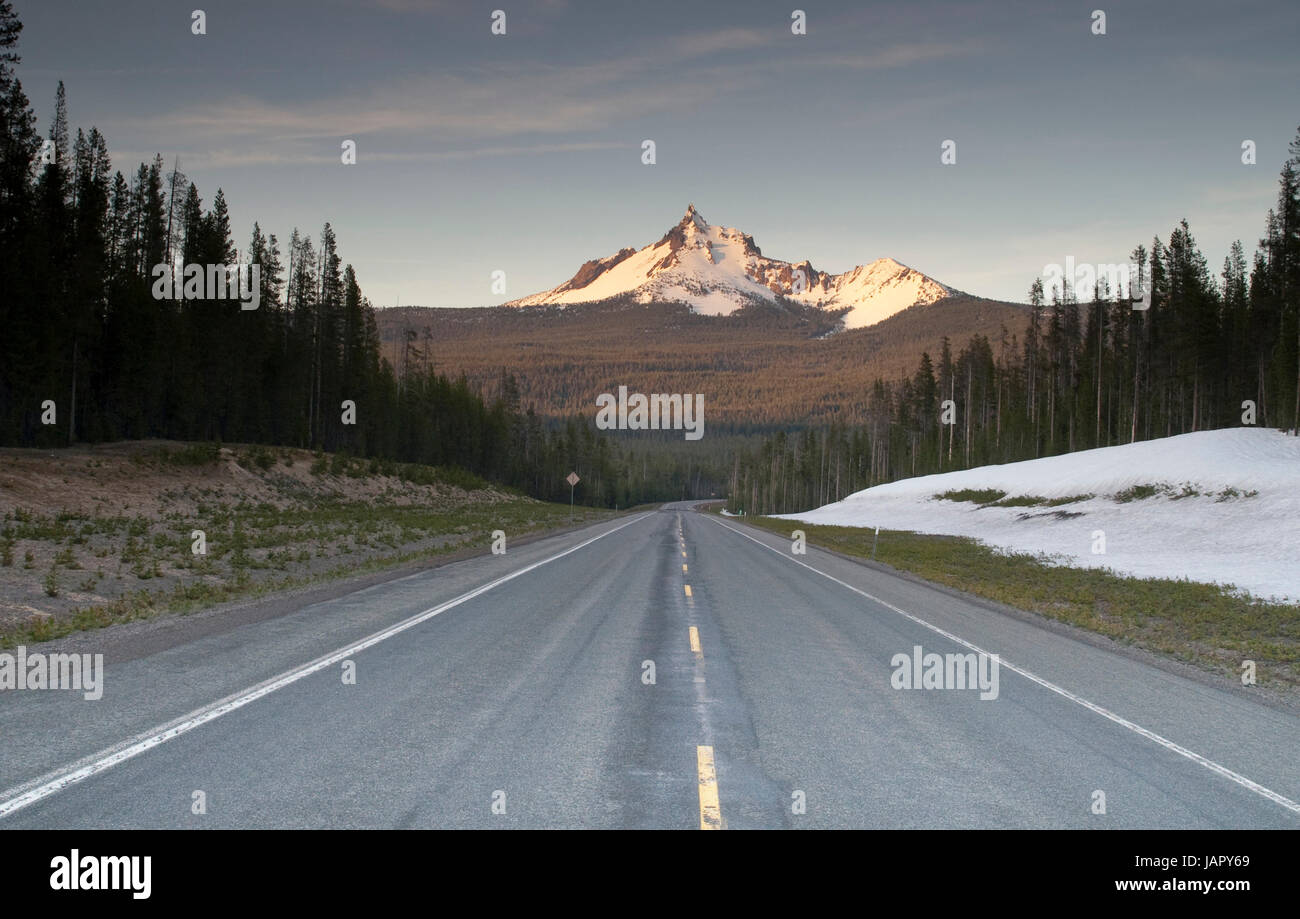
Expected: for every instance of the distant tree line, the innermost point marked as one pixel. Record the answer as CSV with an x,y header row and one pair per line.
x,y
1207,353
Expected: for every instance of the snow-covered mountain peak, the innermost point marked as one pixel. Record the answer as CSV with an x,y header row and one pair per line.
x,y
717,270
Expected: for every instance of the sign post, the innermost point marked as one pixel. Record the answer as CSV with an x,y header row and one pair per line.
x,y
572,480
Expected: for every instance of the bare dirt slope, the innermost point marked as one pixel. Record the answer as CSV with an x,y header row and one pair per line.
x,y
97,534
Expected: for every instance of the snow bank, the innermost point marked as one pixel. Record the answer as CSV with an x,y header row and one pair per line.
x,y
1213,536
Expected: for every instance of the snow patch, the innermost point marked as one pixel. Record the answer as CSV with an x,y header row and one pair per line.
x,y
1199,525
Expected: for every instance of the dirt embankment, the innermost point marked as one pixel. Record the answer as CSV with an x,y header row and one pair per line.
x,y
93,535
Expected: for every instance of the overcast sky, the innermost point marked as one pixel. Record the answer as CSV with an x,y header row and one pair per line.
x,y
522,152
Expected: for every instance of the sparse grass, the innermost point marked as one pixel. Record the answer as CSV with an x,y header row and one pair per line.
x,y
1069,499
1020,501
198,454
145,569
1185,490
976,495
1215,628
259,457
257,549
1140,493
279,529
340,464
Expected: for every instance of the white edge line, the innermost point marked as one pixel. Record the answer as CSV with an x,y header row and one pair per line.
x,y
38,789
1195,757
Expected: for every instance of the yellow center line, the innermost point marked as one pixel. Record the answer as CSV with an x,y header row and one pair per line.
x,y
710,809
683,567
695,642
688,589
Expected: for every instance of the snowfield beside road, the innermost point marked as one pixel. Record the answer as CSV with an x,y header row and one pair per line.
x,y
1200,525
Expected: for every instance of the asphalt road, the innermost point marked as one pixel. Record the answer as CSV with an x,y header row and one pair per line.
x,y
670,669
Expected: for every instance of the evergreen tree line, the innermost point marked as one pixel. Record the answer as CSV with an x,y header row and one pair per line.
x,y
1208,353
86,343
616,470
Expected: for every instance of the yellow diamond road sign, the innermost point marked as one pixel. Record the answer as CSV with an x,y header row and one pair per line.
x,y
572,479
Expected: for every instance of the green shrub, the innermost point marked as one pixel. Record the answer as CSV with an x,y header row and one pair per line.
x,y
1069,499
1139,493
1021,501
195,454
977,495
260,457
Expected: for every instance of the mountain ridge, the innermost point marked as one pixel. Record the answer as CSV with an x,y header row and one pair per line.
x,y
718,270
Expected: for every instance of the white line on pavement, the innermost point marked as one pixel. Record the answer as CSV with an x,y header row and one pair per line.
x,y
22,796
1195,757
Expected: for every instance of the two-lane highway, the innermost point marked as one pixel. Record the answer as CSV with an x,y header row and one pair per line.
x,y
670,669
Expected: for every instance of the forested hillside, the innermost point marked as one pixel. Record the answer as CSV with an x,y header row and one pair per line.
x,y
760,368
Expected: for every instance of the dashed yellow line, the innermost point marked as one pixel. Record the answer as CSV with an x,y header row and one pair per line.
x,y
688,589
683,567
695,641
710,809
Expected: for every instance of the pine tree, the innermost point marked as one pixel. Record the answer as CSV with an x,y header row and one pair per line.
x,y
1033,356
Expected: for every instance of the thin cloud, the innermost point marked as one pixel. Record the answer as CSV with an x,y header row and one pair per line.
x,y
453,7
231,158
522,101
735,39
500,102
896,56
